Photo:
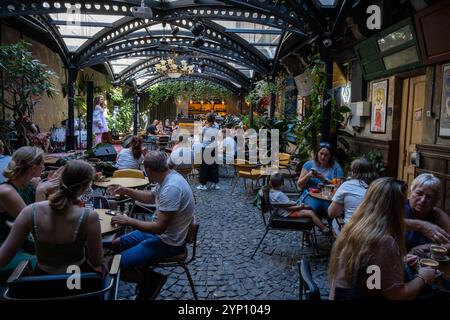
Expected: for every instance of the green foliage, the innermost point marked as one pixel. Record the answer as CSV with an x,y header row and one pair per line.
x,y
230,121
262,90
287,129
196,90
124,118
309,130
25,80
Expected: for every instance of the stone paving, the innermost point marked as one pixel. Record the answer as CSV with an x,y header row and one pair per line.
x,y
230,228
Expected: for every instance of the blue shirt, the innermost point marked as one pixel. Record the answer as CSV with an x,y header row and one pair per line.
x,y
329,173
4,160
416,238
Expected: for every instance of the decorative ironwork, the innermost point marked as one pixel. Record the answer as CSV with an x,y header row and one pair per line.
x,y
173,67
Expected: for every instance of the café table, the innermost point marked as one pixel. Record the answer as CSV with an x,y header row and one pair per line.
x,y
105,223
320,196
125,182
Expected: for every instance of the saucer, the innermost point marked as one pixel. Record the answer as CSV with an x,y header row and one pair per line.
x,y
445,259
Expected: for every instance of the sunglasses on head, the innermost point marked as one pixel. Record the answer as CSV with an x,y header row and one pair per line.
x,y
325,145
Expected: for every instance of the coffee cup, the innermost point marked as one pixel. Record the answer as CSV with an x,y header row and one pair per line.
x,y
438,252
429,263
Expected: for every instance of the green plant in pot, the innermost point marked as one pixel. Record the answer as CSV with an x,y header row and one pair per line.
x,y
25,80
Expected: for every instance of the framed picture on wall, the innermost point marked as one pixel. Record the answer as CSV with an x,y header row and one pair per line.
x,y
444,124
379,106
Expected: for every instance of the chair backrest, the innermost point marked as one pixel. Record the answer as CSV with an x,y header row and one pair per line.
x,y
265,203
244,166
191,238
284,158
22,285
128,173
308,289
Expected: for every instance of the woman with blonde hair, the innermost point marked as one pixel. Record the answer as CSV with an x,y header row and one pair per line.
x,y
99,123
373,242
21,188
60,227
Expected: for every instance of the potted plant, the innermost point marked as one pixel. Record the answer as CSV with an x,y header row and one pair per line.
x,y
25,80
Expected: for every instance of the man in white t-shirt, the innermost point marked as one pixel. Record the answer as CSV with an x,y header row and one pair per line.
x,y
155,240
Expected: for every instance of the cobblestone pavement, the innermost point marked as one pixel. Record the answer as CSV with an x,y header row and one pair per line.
x,y
230,228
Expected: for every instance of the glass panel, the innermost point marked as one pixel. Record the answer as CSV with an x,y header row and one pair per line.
x,y
258,37
395,38
73,44
78,31
127,62
85,17
401,58
269,52
117,68
243,25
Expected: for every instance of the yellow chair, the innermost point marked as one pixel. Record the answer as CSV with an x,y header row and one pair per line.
x,y
244,169
128,173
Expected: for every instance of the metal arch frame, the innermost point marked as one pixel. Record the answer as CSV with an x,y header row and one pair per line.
x,y
115,7
208,78
224,39
140,68
125,47
43,23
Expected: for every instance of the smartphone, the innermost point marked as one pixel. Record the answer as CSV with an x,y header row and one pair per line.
x,y
314,170
111,212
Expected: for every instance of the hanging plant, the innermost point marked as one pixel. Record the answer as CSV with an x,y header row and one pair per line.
x,y
123,119
262,90
196,90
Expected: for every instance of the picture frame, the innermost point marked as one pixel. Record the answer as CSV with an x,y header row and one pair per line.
x,y
379,106
444,119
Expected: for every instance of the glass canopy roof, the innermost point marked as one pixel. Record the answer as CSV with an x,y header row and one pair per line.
x,y
236,39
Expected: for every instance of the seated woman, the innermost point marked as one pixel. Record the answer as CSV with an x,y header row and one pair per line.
x,y
350,194
426,224
319,170
374,237
61,229
22,186
131,157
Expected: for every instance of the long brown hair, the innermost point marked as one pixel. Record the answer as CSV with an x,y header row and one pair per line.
x,y
136,147
97,100
75,178
380,215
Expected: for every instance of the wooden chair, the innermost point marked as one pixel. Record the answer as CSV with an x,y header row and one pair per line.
x,y
274,222
128,173
184,259
245,170
22,286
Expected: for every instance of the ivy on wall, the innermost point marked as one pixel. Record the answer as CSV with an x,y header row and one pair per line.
x,y
195,90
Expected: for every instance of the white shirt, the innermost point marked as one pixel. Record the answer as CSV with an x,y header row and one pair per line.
x,y
174,195
228,148
99,123
350,194
125,160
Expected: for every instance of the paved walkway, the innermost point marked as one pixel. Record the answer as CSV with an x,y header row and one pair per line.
x,y
230,228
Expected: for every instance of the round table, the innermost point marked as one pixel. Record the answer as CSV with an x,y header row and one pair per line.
x,y
105,223
124,182
320,196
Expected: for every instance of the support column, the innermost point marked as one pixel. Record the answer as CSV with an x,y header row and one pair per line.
x,y
240,102
325,55
273,97
135,113
70,136
251,115
89,111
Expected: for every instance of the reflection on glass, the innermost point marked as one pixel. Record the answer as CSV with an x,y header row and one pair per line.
x,y
401,58
395,38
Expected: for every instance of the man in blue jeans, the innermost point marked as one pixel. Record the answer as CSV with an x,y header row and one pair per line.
x,y
155,240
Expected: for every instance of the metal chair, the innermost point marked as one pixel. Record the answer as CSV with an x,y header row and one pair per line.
x,y
21,286
279,223
128,173
184,259
308,289
245,170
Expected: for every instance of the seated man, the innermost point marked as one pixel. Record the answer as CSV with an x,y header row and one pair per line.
x,y
155,240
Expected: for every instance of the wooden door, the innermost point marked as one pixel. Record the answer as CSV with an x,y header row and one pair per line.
x,y
413,102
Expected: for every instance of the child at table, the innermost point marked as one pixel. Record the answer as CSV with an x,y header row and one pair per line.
x,y
276,182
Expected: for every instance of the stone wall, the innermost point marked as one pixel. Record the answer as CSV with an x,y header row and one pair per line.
x,y
50,111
